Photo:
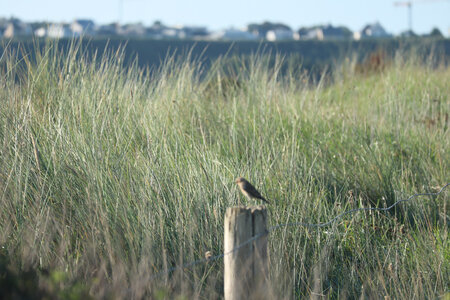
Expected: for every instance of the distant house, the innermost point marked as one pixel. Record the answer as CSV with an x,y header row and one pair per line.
x,y
40,32
261,30
374,30
82,27
336,33
112,29
153,33
194,32
313,33
3,24
325,32
58,31
156,30
281,34
172,32
233,34
135,30
39,29
16,28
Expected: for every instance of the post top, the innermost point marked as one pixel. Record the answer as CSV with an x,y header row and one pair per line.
x,y
242,209
251,207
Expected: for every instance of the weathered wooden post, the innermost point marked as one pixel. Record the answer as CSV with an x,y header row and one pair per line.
x,y
246,269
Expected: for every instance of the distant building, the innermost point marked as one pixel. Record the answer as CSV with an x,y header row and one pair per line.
x,y
3,25
177,32
40,32
82,27
156,30
194,32
374,30
134,30
313,33
15,28
281,34
336,33
159,31
58,31
261,30
325,32
39,29
233,34
172,32
112,29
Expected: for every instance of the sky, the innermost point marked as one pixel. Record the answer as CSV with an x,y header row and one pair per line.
x,y
355,14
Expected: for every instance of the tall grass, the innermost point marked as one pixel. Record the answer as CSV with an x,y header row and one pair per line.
x,y
110,174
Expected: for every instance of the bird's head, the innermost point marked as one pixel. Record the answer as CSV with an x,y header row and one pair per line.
x,y
240,179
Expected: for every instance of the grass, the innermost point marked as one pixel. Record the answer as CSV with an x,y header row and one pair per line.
x,y
111,174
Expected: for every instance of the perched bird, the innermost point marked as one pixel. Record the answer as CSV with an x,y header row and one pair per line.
x,y
249,190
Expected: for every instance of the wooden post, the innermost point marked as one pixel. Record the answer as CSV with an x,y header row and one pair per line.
x,y
260,258
246,268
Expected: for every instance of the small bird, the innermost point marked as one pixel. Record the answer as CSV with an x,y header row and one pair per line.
x,y
249,190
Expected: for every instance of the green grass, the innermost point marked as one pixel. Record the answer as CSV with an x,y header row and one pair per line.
x,y
109,175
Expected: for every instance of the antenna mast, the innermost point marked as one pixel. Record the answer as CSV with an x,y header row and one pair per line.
x,y
408,4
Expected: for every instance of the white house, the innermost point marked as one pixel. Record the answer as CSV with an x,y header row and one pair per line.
x,y
281,34
82,27
315,33
137,29
172,32
233,35
15,27
374,30
58,31
40,32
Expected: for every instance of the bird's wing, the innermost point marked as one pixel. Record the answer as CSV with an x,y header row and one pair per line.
x,y
252,191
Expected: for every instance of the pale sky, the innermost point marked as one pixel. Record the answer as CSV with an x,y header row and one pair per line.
x,y
354,14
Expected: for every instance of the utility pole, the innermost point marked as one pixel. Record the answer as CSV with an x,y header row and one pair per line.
x,y
407,4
